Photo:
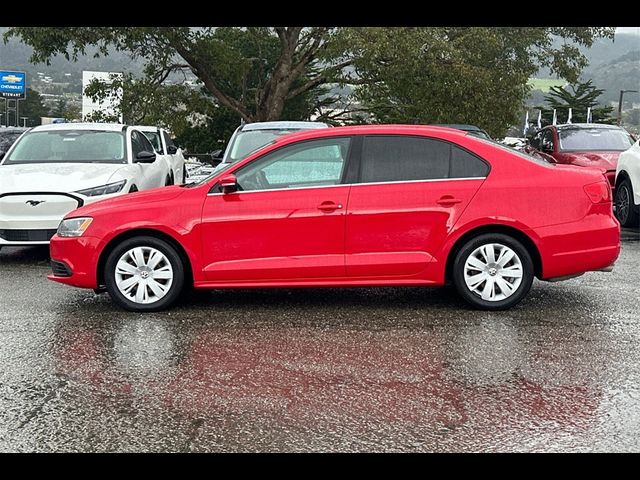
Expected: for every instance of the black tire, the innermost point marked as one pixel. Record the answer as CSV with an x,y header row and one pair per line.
x,y
176,264
133,189
475,299
627,213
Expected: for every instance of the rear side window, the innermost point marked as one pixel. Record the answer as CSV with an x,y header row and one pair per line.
x,y
466,165
396,158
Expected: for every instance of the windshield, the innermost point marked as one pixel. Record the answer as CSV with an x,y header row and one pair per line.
x,y
250,141
7,139
585,139
154,138
80,146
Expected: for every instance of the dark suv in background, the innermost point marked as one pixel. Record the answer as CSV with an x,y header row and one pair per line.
x,y
8,135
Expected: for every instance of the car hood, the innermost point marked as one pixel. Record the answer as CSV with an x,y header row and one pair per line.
x,y
606,160
56,177
129,201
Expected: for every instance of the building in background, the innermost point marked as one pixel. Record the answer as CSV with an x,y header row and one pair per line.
x,y
108,107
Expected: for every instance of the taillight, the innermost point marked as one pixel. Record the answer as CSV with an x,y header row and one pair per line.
x,y
598,192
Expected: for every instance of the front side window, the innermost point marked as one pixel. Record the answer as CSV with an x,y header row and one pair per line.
x,y
397,158
307,164
76,146
585,139
140,143
154,138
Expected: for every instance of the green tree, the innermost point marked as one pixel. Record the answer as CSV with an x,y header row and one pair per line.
x,y
472,75
256,72
64,110
411,75
32,107
578,96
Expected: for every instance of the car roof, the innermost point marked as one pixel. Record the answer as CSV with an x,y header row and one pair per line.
x,y
460,126
284,125
390,129
13,129
566,126
145,128
105,127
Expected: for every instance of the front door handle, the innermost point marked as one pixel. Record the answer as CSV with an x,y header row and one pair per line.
x,y
448,201
329,206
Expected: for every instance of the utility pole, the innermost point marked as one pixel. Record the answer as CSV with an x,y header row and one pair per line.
x,y
622,92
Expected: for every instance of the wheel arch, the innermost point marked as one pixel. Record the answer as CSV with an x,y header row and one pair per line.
x,y
622,175
139,232
526,241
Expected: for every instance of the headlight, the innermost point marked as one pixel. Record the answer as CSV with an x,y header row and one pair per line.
x,y
103,189
74,227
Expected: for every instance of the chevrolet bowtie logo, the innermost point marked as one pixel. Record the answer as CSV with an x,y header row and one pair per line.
x,y
11,79
35,203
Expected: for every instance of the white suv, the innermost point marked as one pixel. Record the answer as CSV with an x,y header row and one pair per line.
x,y
53,169
627,191
164,146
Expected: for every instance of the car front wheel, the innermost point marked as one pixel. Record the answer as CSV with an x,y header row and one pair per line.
x,y
493,271
627,212
144,274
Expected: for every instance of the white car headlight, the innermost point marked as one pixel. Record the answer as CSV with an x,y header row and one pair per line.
x,y
74,227
103,189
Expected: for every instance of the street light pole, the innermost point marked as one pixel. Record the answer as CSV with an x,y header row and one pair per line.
x,y
622,92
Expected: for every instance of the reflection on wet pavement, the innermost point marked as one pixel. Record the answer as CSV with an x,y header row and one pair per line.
x,y
328,370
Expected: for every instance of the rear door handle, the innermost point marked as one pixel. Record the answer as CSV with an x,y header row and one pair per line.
x,y
448,201
329,206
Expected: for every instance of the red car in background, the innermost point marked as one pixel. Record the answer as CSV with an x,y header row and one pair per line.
x,y
385,205
582,144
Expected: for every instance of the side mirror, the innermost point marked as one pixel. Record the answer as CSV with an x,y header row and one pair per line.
x,y
172,149
229,184
145,157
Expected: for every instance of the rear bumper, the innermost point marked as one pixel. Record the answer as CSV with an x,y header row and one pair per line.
x,y
573,248
80,255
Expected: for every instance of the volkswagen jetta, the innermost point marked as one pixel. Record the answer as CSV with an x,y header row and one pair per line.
x,y
349,206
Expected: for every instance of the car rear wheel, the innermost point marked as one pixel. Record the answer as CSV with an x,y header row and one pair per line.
x,y
627,212
144,274
493,271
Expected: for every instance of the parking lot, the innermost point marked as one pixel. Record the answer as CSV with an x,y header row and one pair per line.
x,y
322,370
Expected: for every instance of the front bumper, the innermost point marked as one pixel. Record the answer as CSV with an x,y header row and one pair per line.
x,y
81,256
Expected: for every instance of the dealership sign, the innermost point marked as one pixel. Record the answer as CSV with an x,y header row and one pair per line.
x,y
13,85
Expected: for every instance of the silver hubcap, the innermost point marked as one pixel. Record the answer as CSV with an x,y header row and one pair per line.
x,y
144,275
622,207
493,272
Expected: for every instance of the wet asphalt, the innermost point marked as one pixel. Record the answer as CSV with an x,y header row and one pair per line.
x,y
320,370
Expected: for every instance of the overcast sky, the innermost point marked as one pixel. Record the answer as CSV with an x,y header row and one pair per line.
x,y
635,30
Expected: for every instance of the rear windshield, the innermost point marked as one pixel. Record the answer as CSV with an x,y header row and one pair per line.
x,y
81,146
519,153
585,139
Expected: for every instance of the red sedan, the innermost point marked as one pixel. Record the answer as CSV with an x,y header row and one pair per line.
x,y
582,144
350,206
